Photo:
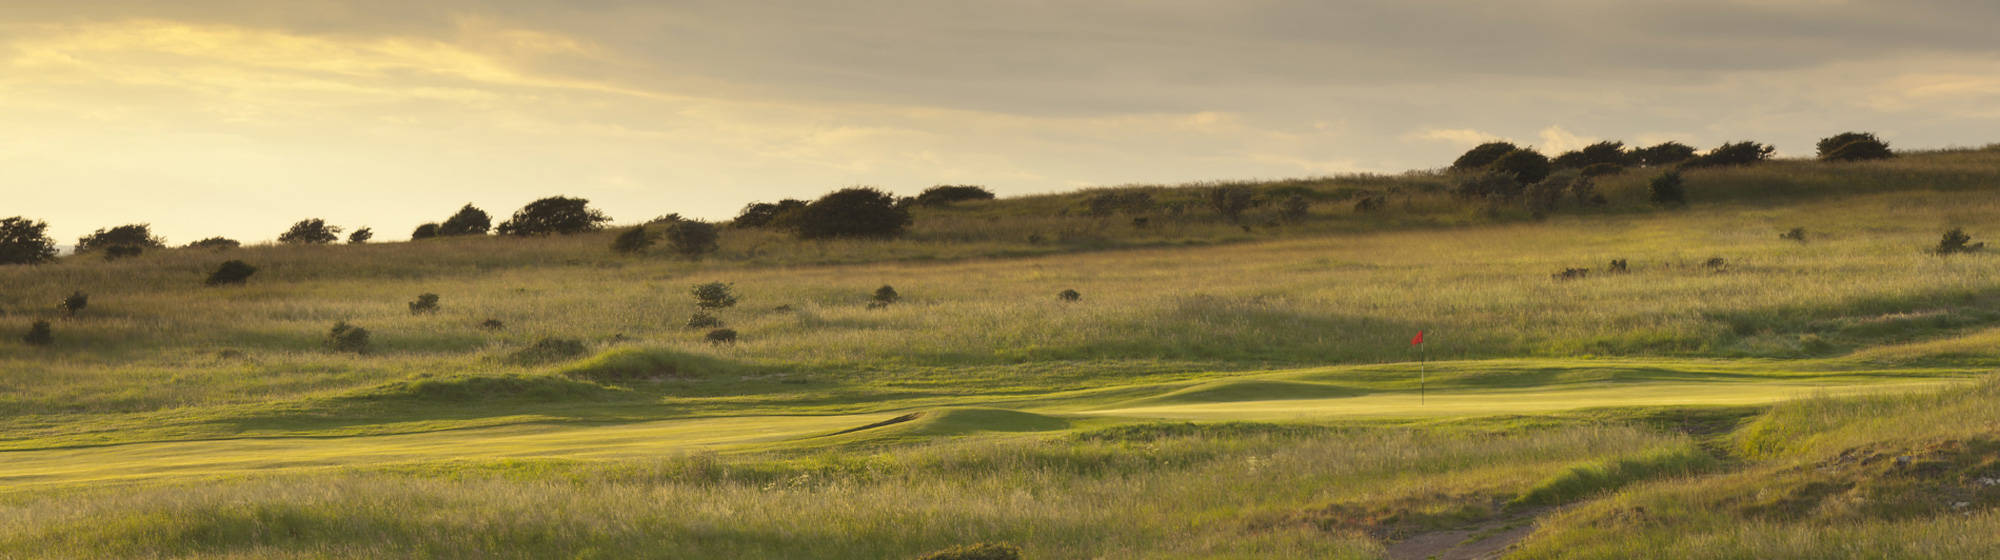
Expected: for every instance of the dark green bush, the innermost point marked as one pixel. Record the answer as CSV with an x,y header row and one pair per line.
x,y
1956,241
853,212
1735,153
945,195
1295,208
1231,201
1602,153
703,320
360,236
1664,153
886,295
425,231
116,252
24,241
231,272
981,551
1667,189
548,350
631,241
551,216
492,324
764,214
216,243
39,334
1126,201
1069,295
74,303
1490,185
1527,166
425,303
347,338
1796,234
133,235
1853,146
720,336
692,239
1482,155
311,231
1370,203
469,220
713,295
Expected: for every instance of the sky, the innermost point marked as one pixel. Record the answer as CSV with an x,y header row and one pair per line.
x,y
238,117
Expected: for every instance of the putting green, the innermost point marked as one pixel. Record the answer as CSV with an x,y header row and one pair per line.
x,y
1481,402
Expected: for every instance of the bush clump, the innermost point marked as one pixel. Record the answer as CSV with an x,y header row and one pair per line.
x,y
139,236
311,231
631,241
39,334
1957,241
548,350
216,243
713,295
886,295
1489,185
703,320
1664,153
360,236
981,551
231,272
1667,189
116,252
347,338
425,231
1069,295
1121,201
946,195
1482,155
74,303
764,214
1796,234
1734,153
469,220
492,324
1231,201
692,239
25,241
1853,146
551,216
425,303
853,212
720,336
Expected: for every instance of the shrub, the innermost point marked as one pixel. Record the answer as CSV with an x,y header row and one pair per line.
x,y
703,320
1482,155
1796,234
1602,153
310,231
1737,153
1853,146
1527,166
1618,266
467,221
1544,196
425,303
1295,208
981,551
216,243
1715,262
548,350
631,241
347,338
1370,204
39,334
886,295
1602,169
24,241
492,324
713,295
1664,153
764,214
361,235
720,336
231,272
1585,191
1667,189
552,215
853,212
945,195
1231,201
74,303
425,231
116,252
692,239
1069,295
1105,203
1488,185
133,235
1956,241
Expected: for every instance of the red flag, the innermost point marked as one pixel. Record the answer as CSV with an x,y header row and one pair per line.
x,y
1418,340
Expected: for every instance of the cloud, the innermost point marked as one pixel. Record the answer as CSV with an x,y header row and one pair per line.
x,y
1464,137
1556,140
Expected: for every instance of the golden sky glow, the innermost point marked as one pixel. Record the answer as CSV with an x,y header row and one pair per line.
x,y
212,119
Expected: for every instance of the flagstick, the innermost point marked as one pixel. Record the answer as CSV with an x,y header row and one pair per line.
x,y
1422,375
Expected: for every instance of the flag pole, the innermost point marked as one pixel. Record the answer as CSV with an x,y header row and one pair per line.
x,y
1423,374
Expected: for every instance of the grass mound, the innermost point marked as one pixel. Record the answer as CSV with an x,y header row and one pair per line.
x,y
1251,390
463,388
956,421
628,364
1593,477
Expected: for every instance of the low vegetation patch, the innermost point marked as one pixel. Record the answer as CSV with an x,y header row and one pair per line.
x,y
548,350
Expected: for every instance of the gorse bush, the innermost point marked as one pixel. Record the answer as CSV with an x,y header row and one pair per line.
x,y
1527,166
133,235
1853,146
1069,295
720,336
311,231
1667,189
215,243
425,231
361,236
469,220
347,338
1482,155
886,295
1735,153
853,212
231,272
1956,241
945,195
765,214
703,320
631,241
1488,185
24,241
551,216
425,303
692,239
713,295
74,303
1602,153
1664,153
1232,201
39,334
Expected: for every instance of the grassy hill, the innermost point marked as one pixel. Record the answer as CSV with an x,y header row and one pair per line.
x,y
1221,388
